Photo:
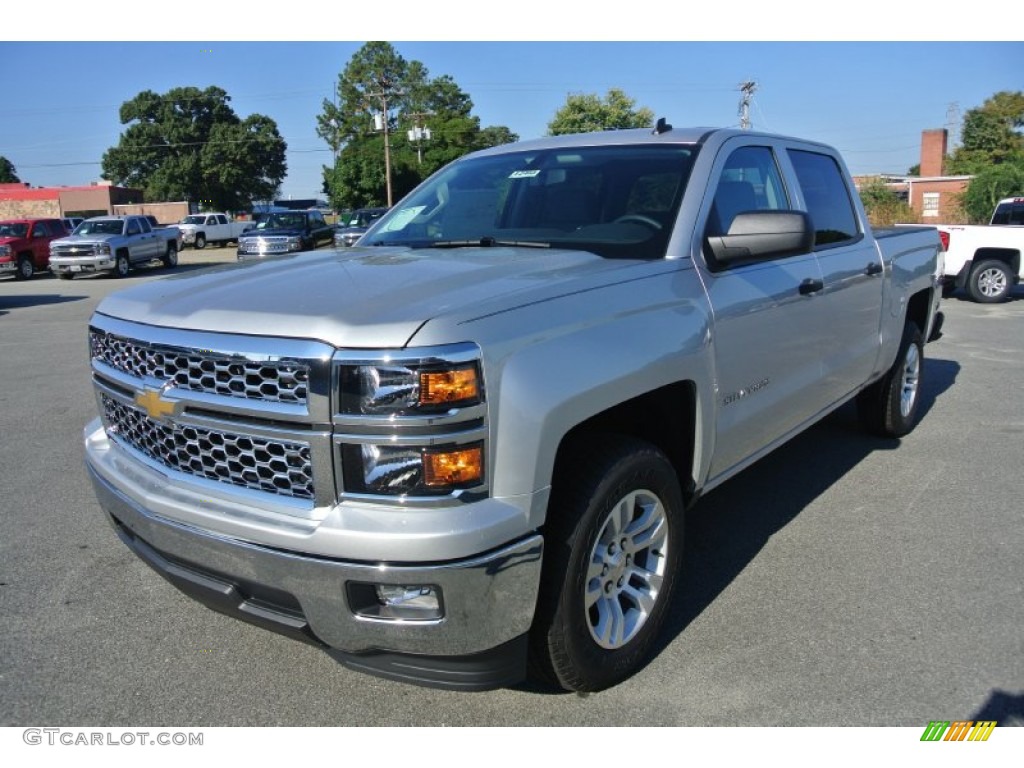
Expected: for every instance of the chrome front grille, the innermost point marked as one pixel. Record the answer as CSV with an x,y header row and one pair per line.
x,y
277,382
275,466
271,244
73,250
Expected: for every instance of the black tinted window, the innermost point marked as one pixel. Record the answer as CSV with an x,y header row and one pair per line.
x,y
1009,213
827,197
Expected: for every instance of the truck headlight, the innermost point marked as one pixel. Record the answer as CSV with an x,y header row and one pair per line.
x,y
103,249
5,250
392,470
294,243
405,389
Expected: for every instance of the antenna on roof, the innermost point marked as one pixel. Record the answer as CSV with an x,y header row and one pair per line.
x,y
661,127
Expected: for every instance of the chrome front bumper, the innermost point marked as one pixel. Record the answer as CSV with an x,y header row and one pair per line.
x,y
85,264
488,599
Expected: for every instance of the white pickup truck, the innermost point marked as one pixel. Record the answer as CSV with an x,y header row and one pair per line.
x,y
201,228
471,439
985,260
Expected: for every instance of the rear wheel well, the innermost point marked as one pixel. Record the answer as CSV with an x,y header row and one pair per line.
x,y
918,307
664,417
1006,255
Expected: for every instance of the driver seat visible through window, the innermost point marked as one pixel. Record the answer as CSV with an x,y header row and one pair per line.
x,y
731,199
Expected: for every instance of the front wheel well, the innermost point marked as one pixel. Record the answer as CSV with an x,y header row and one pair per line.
x,y
665,417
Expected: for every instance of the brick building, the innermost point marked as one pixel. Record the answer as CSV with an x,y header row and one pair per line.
x,y
22,201
933,196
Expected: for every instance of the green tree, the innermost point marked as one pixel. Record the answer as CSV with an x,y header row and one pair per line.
x,y
586,112
990,186
379,87
8,175
188,144
883,205
990,134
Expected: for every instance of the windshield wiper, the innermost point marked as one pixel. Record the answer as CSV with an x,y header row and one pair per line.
x,y
488,242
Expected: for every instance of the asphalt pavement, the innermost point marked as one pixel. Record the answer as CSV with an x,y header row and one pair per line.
x,y
844,580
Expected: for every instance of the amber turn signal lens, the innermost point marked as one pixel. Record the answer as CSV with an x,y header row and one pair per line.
x,y
454,386
453,468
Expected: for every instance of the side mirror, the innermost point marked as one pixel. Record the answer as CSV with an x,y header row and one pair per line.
x,y
760,236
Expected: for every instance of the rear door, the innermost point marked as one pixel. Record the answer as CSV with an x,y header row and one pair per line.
x,y
768,319
141,240
851,266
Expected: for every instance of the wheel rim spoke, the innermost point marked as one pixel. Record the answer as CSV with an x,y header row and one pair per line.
x,y
626,569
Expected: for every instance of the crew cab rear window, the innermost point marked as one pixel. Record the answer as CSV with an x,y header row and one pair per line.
x,y
1009,213
827,197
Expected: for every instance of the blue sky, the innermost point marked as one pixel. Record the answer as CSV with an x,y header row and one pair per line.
x,y
869,99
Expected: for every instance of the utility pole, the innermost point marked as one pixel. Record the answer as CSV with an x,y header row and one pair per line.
x,y
747,88
419,133
381,123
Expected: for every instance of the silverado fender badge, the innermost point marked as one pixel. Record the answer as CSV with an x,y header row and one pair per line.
x,y
756,386
153,403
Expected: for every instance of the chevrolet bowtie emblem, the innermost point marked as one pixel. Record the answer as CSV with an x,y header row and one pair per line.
x,y
151,401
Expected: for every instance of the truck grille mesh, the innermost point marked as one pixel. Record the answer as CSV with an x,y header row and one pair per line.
x,y
263,464
278,382
263,245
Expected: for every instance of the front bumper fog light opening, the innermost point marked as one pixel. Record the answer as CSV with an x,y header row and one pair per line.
x,y
396,602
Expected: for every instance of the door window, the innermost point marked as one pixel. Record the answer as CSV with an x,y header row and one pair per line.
x,y
827,197
750,181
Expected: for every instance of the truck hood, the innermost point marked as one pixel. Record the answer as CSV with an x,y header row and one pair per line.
x,y
364,297
85,239
9,240
276,232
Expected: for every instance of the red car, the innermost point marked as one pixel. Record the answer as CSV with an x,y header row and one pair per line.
x,y
25,245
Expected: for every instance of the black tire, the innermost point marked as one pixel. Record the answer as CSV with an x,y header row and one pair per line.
x,y
170,259
888,407
614,541
200,241
122,265
26,268
990,281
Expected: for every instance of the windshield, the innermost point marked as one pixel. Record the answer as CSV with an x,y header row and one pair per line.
x,y
194,220
10,229
100,227
617,202
282,221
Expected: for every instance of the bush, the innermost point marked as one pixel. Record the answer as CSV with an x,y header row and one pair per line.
x,y
884,206
989,187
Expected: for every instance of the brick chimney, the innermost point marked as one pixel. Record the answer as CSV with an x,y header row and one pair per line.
x,y
933,151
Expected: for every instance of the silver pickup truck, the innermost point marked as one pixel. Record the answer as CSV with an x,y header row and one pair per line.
x,y
113,244
470,441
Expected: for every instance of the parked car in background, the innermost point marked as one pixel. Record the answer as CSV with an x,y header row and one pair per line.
x,y
285,232
25,245
112,244
353,225
217,228
70,222
985,259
